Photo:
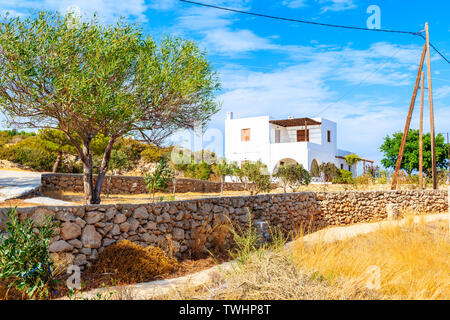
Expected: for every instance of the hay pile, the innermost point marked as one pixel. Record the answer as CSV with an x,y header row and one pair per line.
x,y
129,262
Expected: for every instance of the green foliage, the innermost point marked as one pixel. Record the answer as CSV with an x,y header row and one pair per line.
x,y
119,161
329,171
159,180
256,174
29,152
101,80
248,241
24,256
410,159
293,175
200,170
352,159
154,154
344,177
54,141
222,169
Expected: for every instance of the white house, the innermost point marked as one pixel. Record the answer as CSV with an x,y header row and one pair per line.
x,y
308,141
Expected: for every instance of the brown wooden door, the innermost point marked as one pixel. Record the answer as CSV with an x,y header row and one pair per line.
x,y
302,135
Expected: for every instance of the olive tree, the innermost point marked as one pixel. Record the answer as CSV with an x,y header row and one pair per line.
x,y
293,175
86,79
222,169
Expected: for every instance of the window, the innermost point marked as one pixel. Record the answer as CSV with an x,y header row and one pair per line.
x,y
329,135
245,134
349,168
302,135
277,136
342,166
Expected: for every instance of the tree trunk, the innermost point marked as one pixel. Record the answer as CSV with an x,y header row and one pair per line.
x,y
87,173
102,172
57,162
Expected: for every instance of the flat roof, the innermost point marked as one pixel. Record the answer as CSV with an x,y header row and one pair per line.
x,y
295,122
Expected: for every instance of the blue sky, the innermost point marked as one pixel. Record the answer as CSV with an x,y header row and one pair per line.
x,y
362,80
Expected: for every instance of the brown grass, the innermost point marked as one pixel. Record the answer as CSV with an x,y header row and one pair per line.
x,y
413,259
271,275
128,262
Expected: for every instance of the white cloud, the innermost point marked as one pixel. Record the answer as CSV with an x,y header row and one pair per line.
x,y
337,5
327,5
107,10
442,92
162,4
294,3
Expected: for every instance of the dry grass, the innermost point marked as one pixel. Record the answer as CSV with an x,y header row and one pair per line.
x,y
269,275
131,263
17,202
413,259
78,197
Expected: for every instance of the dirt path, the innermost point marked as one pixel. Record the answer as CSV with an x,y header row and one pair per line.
x,y
153,289
14,183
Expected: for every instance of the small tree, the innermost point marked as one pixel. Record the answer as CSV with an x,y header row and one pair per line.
x,y
257,176
328,171
159,180
222,169
293,175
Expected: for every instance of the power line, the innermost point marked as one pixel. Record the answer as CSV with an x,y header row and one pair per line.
x,y
419,34
296,20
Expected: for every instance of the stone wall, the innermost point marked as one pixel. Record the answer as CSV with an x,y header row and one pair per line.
x,y
181,225
130,184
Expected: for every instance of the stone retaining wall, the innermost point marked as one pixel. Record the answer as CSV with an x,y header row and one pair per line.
x,y
184,225
130,184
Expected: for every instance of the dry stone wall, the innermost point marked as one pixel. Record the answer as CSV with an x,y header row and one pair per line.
x,y
129,184
181,225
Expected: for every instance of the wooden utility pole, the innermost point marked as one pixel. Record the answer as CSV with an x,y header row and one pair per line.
x,y
408,120
430,101
422,87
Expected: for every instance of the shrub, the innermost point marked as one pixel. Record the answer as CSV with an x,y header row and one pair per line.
x,y
159,179
293,175
25,262
345,177
131,263
30,153
154,153
200,171
256,174
328,171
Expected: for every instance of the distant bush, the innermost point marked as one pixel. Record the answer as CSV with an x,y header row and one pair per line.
x,y
30,153
293,175
345,177
131,263
154,153
200,171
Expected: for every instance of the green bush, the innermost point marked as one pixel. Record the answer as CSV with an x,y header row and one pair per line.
x,y
293,175
30,153
345,177
200,171
257,177
25,261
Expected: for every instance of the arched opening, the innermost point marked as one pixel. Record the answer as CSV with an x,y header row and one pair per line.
x,y
283,162
314,168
